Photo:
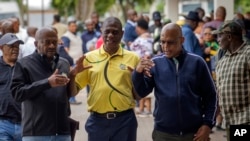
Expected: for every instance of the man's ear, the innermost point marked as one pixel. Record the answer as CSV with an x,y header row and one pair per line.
x,y
36,43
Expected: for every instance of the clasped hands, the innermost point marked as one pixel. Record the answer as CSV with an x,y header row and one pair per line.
x,y
144,66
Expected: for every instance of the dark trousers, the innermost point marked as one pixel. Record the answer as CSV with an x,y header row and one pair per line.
x,y
161,136
122,128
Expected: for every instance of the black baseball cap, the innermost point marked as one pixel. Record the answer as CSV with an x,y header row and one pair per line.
x,y
156,16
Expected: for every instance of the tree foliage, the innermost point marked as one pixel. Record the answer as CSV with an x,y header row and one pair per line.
x,y
84,8
22,9
69,7
242,6
104,6
81,9
64,7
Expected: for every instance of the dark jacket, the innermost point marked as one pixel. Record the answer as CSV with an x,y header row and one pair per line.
x,y
129,32
62,53
191,42
9,109
87,36
184,91
45,110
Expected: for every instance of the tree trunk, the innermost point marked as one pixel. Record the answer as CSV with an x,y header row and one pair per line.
x,y
21,10
84,8
126,5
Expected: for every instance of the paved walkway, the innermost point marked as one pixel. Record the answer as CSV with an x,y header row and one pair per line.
x,y
145,124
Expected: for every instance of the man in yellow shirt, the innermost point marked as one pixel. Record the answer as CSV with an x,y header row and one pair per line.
x,y
108,73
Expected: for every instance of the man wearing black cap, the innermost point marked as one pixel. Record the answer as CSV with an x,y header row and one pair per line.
x,y
191,43
10,111
155,31
157,21
233,75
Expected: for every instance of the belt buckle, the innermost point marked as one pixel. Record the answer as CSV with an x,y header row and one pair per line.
x,y
111,115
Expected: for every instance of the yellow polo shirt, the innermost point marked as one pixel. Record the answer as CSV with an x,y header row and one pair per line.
x,y
109,79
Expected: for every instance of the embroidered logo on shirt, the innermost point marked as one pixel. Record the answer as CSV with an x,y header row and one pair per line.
x,y
123,67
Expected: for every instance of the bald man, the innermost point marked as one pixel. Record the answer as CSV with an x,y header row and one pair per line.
x,y
40,82
129,30
220,16
7,27
184,90
20,32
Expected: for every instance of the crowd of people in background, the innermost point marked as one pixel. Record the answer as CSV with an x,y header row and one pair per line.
x,y
196,70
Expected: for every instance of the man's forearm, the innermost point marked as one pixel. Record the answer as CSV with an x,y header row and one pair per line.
x,y
73,89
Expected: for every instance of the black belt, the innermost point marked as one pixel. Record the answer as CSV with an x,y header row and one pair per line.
x,y
111,115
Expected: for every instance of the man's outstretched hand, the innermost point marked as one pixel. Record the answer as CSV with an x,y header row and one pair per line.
x,y
79,67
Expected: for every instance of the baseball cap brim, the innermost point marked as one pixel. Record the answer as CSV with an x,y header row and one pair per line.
x,y
156,18
216,32
12,42
192,19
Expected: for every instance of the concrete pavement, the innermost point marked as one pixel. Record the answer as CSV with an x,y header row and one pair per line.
x,y
145,124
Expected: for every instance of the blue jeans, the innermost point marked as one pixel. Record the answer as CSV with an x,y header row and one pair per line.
x,y
47,138
10,131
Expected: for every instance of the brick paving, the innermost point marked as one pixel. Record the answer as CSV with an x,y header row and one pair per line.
x,y
145,124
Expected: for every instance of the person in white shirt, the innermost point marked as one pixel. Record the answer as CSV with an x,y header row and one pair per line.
x,y
29,46
72,42
20,32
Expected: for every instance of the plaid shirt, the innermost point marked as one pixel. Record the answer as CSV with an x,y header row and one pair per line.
x,y
233,83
